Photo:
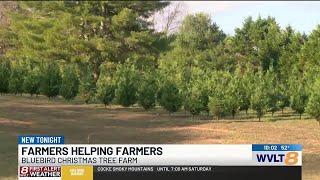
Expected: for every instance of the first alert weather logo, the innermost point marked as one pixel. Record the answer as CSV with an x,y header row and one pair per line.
x,y
40,171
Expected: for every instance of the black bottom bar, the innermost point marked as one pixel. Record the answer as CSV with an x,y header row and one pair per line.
x,y
197,172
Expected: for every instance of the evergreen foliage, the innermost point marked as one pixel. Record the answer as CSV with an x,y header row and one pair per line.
x,y
32,81
70,83
105,90
147,91
51,80
313,105
5,71
108,51
127,82
259,96
17,76
87,87
169,97
299,99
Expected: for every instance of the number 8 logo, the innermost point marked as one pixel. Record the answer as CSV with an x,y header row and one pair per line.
x,y
24,170
291,158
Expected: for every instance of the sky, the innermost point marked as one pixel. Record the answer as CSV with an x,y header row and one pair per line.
x,y
303,16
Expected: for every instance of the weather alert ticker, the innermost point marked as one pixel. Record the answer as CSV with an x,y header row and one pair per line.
x,y
50,158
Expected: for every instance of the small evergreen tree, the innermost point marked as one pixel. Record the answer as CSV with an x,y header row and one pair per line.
x,y
147,91
231,97
283,97
273,101
198,98
194,101
313,106
16,78
299,99
259,102
217,101
51,80
204,99
127,85
70,83
259,97
216,106
169,97
185,96
244,95
244,88
5,71
88,86
272,91
32,81
105,90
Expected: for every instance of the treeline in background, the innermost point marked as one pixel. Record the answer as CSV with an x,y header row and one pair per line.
x,y
113,53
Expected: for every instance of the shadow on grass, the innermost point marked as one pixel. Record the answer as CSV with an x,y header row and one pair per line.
x,y
8,150
95,124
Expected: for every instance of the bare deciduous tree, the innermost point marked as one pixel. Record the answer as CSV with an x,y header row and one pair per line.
x,y
169,19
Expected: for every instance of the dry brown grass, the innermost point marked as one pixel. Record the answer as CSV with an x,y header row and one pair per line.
x,y
95,124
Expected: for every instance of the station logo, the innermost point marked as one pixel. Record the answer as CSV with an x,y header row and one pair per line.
x,y
286,158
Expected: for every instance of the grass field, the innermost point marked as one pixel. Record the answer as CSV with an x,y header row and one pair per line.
x,y
95,124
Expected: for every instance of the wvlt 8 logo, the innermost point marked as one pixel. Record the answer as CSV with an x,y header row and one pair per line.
x,y
288,158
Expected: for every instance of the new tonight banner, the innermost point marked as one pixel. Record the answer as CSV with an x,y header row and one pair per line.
x,y
50,158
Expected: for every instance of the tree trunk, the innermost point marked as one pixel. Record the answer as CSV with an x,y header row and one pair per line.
x,y
96,72
259,119
300,116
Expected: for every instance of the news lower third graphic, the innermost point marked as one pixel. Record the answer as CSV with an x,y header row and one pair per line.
x,y
49,158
